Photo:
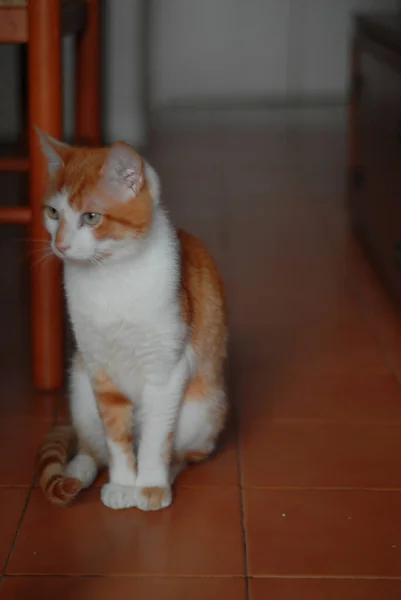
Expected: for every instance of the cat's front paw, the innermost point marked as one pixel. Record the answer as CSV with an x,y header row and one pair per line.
x,y
153,498
118,496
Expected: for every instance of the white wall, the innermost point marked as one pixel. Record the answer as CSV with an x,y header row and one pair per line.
x,y
280,48
209,50
218,47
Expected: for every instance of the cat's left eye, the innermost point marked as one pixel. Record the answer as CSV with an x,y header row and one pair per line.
x,y
91,219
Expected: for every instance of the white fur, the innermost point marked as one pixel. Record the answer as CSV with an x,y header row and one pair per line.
x,y
85,415
189,434
84,468
117,496
126,317
49,145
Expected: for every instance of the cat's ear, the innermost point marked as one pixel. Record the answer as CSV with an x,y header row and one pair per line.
x,y
56,152
123,169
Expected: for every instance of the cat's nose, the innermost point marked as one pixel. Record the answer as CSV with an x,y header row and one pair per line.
x,y
63,247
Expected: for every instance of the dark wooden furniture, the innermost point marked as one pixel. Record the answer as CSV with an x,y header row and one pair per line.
x,y
375,143
41,24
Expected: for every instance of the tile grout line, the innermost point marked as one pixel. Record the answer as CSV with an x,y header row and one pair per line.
x,y
24,510
319,421
122,576
311,577
241,493
52,423
311,488
150,576
241,490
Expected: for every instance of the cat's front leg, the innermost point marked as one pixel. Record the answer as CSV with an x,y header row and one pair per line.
x,y
116,411
160,407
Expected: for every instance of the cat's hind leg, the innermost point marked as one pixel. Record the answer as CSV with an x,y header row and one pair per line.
x,y
201,419
91,443
81,443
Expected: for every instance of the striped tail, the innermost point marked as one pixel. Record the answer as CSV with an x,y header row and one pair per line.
x,y
57,449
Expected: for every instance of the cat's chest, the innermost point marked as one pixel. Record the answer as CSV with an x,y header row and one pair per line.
x,y
103,302
119,328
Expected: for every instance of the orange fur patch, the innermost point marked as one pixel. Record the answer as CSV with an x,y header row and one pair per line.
x,y
155,496
57,448
82,176
102,384
117,414
203,308
196,457
203,303
80,173
168,448
197,388
59,240
129,218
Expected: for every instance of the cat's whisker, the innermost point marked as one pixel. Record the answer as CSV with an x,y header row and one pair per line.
x,y
34,252
28,239
96,259
46,257
42,249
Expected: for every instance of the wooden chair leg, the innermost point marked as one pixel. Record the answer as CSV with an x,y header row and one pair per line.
x,y
45,111
88,93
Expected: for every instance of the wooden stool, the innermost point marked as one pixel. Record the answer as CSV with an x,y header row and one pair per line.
x,y
41,24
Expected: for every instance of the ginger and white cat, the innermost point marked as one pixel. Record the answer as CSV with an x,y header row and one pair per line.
x,y
147,307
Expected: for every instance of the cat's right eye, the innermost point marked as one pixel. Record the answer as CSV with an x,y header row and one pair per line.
x,y
52,213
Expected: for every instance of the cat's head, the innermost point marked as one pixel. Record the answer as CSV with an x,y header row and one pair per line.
x,y
100,201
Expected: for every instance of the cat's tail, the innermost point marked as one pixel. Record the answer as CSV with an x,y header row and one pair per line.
x,y
57,449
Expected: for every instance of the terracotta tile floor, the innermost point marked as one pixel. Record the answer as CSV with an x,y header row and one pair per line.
x,y
303,500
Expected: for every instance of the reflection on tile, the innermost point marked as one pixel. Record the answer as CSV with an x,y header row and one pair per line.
x,y
200,534
312,454
141,588
363,397
20,439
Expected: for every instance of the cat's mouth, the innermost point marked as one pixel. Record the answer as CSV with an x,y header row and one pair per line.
x,y
76,259
94,259
91,260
